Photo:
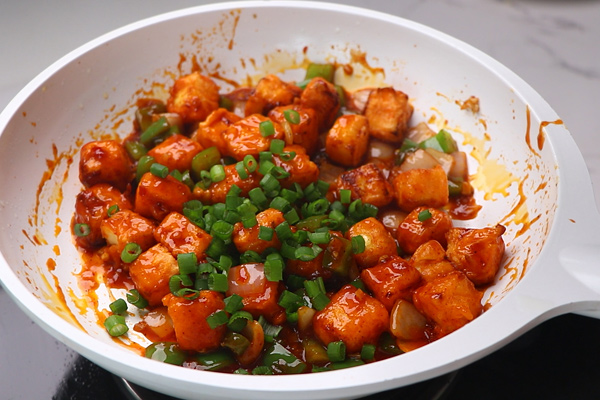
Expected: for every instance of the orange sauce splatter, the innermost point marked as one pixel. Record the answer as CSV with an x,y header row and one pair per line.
x,y
528,131
541,138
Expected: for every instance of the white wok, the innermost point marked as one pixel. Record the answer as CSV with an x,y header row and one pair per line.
x,y
540,190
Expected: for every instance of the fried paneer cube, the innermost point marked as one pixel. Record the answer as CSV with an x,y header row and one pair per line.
x,y
450,301
181,236
260,296
151,272
269,93
126,226
321,96
189,320
91,208
378,242
301,168
217,191
417,229
420,187
210,131
193,97
246,239
476,252
176,152
156,197
305,132
430,260
388,112
368,184
105,161
244,137
391,280
353,317
347,141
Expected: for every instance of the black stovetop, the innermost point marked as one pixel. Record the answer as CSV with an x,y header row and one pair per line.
x,y
559,359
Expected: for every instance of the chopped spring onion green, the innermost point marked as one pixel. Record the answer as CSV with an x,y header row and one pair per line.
x,y
134,297
187,263
358,244
81,230
274,266
277,146
367,352
239,320
217,173
292,116
115,325
204,160
266,128
217,319
159,170
233,303
118,306
218,282
130,252
265,233
424,215
336,351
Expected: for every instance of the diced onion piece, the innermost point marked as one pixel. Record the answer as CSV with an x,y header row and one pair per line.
x,y
289,134
253,331
406,322
460,168
445,160
305,317
173,119
357,101
418,159
392,219
381,150
329,172
159,322
420,132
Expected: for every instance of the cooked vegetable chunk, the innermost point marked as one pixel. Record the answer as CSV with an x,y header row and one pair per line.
x,y
91,208
388,112
450,302
151,272
353,317
156,197
420,187
421,225
301,168
217,191
378,242
260,296
189,320
180,236
176,152
347,140
391,280
367,183
105,161
269,93
193,97
476,252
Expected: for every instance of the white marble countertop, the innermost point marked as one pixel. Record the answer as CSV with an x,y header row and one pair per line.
x,y
551,44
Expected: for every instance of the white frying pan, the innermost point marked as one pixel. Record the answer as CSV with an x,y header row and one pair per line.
x,y
526,169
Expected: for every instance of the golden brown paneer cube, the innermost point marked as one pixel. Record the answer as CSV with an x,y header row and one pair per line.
x,y
321,96
181,236
244,137
91,208
193,97
151,272
210,131
126,226
368,184
269,93
176,152
353,317
348,139
450,301
301,168
390,280
217,191
378,242
476,252
413,232
305,132
189,320
260,296
420,187
246,239
105,161
430,260
156,197
388,112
